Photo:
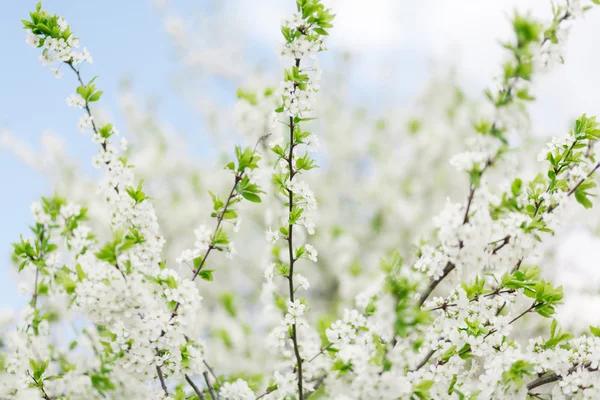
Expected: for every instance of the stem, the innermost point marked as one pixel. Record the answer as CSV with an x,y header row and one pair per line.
x,y
583,180
220,218
87,106
211,390
469,202
425,359
196,389
41,387
523,313
35,295
212,373
505,241
324,349
265,393
162,380
543,380
432,285
553,377
450,266
290,240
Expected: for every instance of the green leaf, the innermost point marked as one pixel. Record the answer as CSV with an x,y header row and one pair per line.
x,y
421,389
230,214
582,199
96,96
545,310
448,353
251,197
516,187
206,274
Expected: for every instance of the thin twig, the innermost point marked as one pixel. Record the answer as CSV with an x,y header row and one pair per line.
x,y
271,390
433,284
196,388
211,390
324,349
469,202
41,387
505,241
524,312
35,295
162,380
424,360
212,373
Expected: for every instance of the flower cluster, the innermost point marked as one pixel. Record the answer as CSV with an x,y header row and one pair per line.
x,y
53,34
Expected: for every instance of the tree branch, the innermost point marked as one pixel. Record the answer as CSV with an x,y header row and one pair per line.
x,y
211,390
290,240
196,388
162,380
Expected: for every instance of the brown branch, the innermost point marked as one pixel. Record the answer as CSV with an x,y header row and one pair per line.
x,y
196,388
424,360
505,241
553,377
162,380
211,390
290,240
469,202
212,373
543,380
432,285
